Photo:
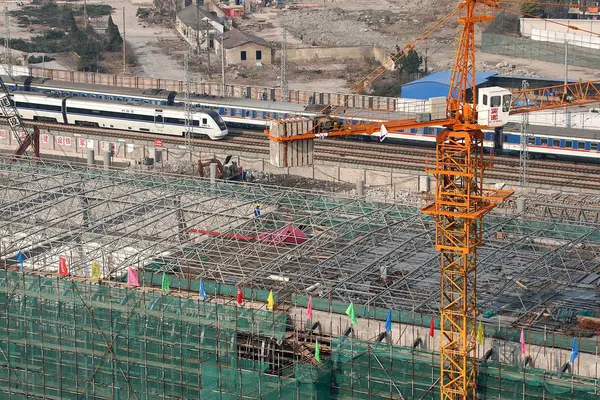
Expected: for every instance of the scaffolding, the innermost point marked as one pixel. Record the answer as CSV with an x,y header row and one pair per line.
x,y
375,254
72,339
106,340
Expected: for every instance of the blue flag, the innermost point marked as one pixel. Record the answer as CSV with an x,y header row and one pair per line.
x,y
202,290
20,259
388,322
575,352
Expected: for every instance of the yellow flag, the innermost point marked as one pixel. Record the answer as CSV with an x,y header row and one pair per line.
x,y
96,272
270,301
480,333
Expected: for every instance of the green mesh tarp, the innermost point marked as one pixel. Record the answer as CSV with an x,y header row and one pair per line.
x,y
68,340
503,37
61,339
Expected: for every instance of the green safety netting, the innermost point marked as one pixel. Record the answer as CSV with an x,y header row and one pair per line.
x,y
62,339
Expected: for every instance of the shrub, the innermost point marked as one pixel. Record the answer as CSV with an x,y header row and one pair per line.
x,y
39,59
142,13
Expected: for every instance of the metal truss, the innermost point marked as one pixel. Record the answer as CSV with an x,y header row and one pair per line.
x,y
381,255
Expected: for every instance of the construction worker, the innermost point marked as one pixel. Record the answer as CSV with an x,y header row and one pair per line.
x,y
257,211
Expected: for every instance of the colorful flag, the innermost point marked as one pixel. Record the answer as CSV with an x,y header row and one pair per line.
x,y
317,351
62,266
270,301
309,308
240,295
132,277
20,259
575,352
96,272
388,322
203,290
480,339
350,313
165,283
432,326
522,342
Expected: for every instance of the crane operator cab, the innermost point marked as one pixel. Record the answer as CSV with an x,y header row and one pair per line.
x,y
493,106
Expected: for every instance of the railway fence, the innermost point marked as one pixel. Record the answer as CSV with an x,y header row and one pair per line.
x,y
376,103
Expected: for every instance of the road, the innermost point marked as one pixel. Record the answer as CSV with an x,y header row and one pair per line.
x,y
156,47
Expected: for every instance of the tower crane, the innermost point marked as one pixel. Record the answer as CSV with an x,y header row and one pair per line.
x,y
461,200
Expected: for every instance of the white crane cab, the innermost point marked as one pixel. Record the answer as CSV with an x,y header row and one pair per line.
x,y
493,106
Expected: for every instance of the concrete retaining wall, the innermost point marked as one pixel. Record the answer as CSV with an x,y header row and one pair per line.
x,y
528,24
336,53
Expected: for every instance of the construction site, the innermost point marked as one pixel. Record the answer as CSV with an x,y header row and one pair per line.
x,y
126,281
70,337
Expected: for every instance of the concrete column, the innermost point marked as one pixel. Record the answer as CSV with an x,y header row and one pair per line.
x,y
213,173
520,205
424,183
360,188
107,160
90,158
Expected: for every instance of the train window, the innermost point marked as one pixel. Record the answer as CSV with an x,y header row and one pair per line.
x,y
555,143
580,144
594,146
568,143
531,140
544,142
485,99
204,121
158,119
495,101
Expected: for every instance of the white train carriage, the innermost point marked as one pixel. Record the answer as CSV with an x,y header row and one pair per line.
x,y
142,118
39,108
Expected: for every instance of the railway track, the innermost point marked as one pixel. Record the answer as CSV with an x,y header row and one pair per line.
x,y
374,154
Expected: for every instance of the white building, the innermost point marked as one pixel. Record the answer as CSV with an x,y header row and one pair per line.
x,y
194,19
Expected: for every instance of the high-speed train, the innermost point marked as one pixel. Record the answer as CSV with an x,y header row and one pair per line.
x,y
546,141
161,120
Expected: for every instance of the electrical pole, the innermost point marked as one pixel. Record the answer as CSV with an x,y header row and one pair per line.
x,y
85,16
197,28
524,153
222,68
208,46
284,83
566,60
189,118
124,56
7,53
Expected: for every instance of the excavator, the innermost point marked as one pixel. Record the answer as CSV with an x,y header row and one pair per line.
x,y
227,170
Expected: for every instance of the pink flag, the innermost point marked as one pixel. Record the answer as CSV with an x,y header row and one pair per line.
x,y
309,309
522,342
132,277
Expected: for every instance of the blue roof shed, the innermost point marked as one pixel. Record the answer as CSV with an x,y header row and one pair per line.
x,y
436,85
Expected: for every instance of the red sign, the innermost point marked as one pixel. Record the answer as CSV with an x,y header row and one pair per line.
x,y
67,141
45,138
81,142
59,140
158,143
2,134
494,114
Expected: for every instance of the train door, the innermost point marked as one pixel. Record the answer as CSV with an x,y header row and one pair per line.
x,y
159,119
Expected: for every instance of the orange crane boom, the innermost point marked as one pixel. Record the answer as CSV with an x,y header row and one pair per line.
x,y
530,100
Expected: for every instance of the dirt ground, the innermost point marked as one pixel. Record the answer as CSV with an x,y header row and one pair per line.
x,y
381,23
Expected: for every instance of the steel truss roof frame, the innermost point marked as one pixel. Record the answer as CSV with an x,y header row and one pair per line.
x,y
379,255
